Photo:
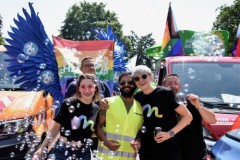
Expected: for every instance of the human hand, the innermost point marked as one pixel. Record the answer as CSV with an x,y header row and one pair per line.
x,y
113,145
103,105
161,137
38,154
135,145
194,99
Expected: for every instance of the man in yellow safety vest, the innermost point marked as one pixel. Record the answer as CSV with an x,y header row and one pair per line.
x,y
118,127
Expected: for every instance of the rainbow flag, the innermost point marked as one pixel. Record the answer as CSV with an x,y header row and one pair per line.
x,y
69,55
171,44
236,124
236,49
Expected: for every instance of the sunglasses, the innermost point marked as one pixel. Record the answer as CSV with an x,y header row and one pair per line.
x,y
144,76
88,65
123,82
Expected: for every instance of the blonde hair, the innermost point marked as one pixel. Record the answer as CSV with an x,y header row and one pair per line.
x,y
141,69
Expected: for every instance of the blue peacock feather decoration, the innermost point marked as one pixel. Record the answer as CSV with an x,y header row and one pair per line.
x,y
32,57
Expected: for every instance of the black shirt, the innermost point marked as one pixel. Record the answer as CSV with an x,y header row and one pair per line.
x,y
87,114
159,111
192,140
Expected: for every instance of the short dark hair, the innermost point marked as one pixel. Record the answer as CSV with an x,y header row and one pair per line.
x,y
84,59
169,75
124,74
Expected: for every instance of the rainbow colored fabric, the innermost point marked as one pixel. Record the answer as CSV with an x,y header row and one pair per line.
x,y
171,44
70,53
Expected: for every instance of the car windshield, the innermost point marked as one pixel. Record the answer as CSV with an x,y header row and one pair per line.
x,y
215,82
6,82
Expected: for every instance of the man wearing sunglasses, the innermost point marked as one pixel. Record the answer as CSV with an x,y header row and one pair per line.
x,y
159,110
118,127
192,141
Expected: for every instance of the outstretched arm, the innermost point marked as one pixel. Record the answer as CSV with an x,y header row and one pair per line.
x,y
52,133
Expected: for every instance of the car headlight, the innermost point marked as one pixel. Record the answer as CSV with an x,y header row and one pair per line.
x,y
208,138
17,126
207,134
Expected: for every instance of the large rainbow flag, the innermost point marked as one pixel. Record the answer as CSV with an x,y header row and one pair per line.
x,y
70,53
171,44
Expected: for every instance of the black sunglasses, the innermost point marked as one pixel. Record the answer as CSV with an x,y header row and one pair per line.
x,y
123,82
144,76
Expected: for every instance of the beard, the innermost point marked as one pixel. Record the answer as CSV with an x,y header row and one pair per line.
x,y
129,93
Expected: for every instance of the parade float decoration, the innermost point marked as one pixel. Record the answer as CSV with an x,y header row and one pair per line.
x,y
187,42
31,56
37,64
119,55
236,48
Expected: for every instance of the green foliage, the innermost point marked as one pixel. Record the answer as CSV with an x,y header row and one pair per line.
x,y
229,19
82,18
139,46
1,25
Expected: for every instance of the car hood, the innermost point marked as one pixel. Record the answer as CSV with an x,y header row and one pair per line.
x,y
19,104
223,124
227,147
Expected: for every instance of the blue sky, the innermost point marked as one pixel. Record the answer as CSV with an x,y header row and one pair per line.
x,y
141,16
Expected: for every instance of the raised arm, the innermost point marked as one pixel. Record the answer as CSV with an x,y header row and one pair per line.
x,y
207,115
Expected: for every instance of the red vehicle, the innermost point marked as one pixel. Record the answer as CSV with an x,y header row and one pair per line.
x,y
216,80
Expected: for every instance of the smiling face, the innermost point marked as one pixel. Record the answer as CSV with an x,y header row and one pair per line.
x,y
143,81
173,83
127,86
143,77
87,89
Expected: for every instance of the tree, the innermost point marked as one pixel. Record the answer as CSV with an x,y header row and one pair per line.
x,y
229,19
81,19
138,47
1,25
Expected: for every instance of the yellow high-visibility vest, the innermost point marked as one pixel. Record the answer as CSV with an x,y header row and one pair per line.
x,y
123,127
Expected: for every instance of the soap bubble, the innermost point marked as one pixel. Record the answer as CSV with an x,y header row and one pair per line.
x,y
207,44
143,129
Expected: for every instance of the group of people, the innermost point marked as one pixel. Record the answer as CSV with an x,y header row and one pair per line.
x,y
153,122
